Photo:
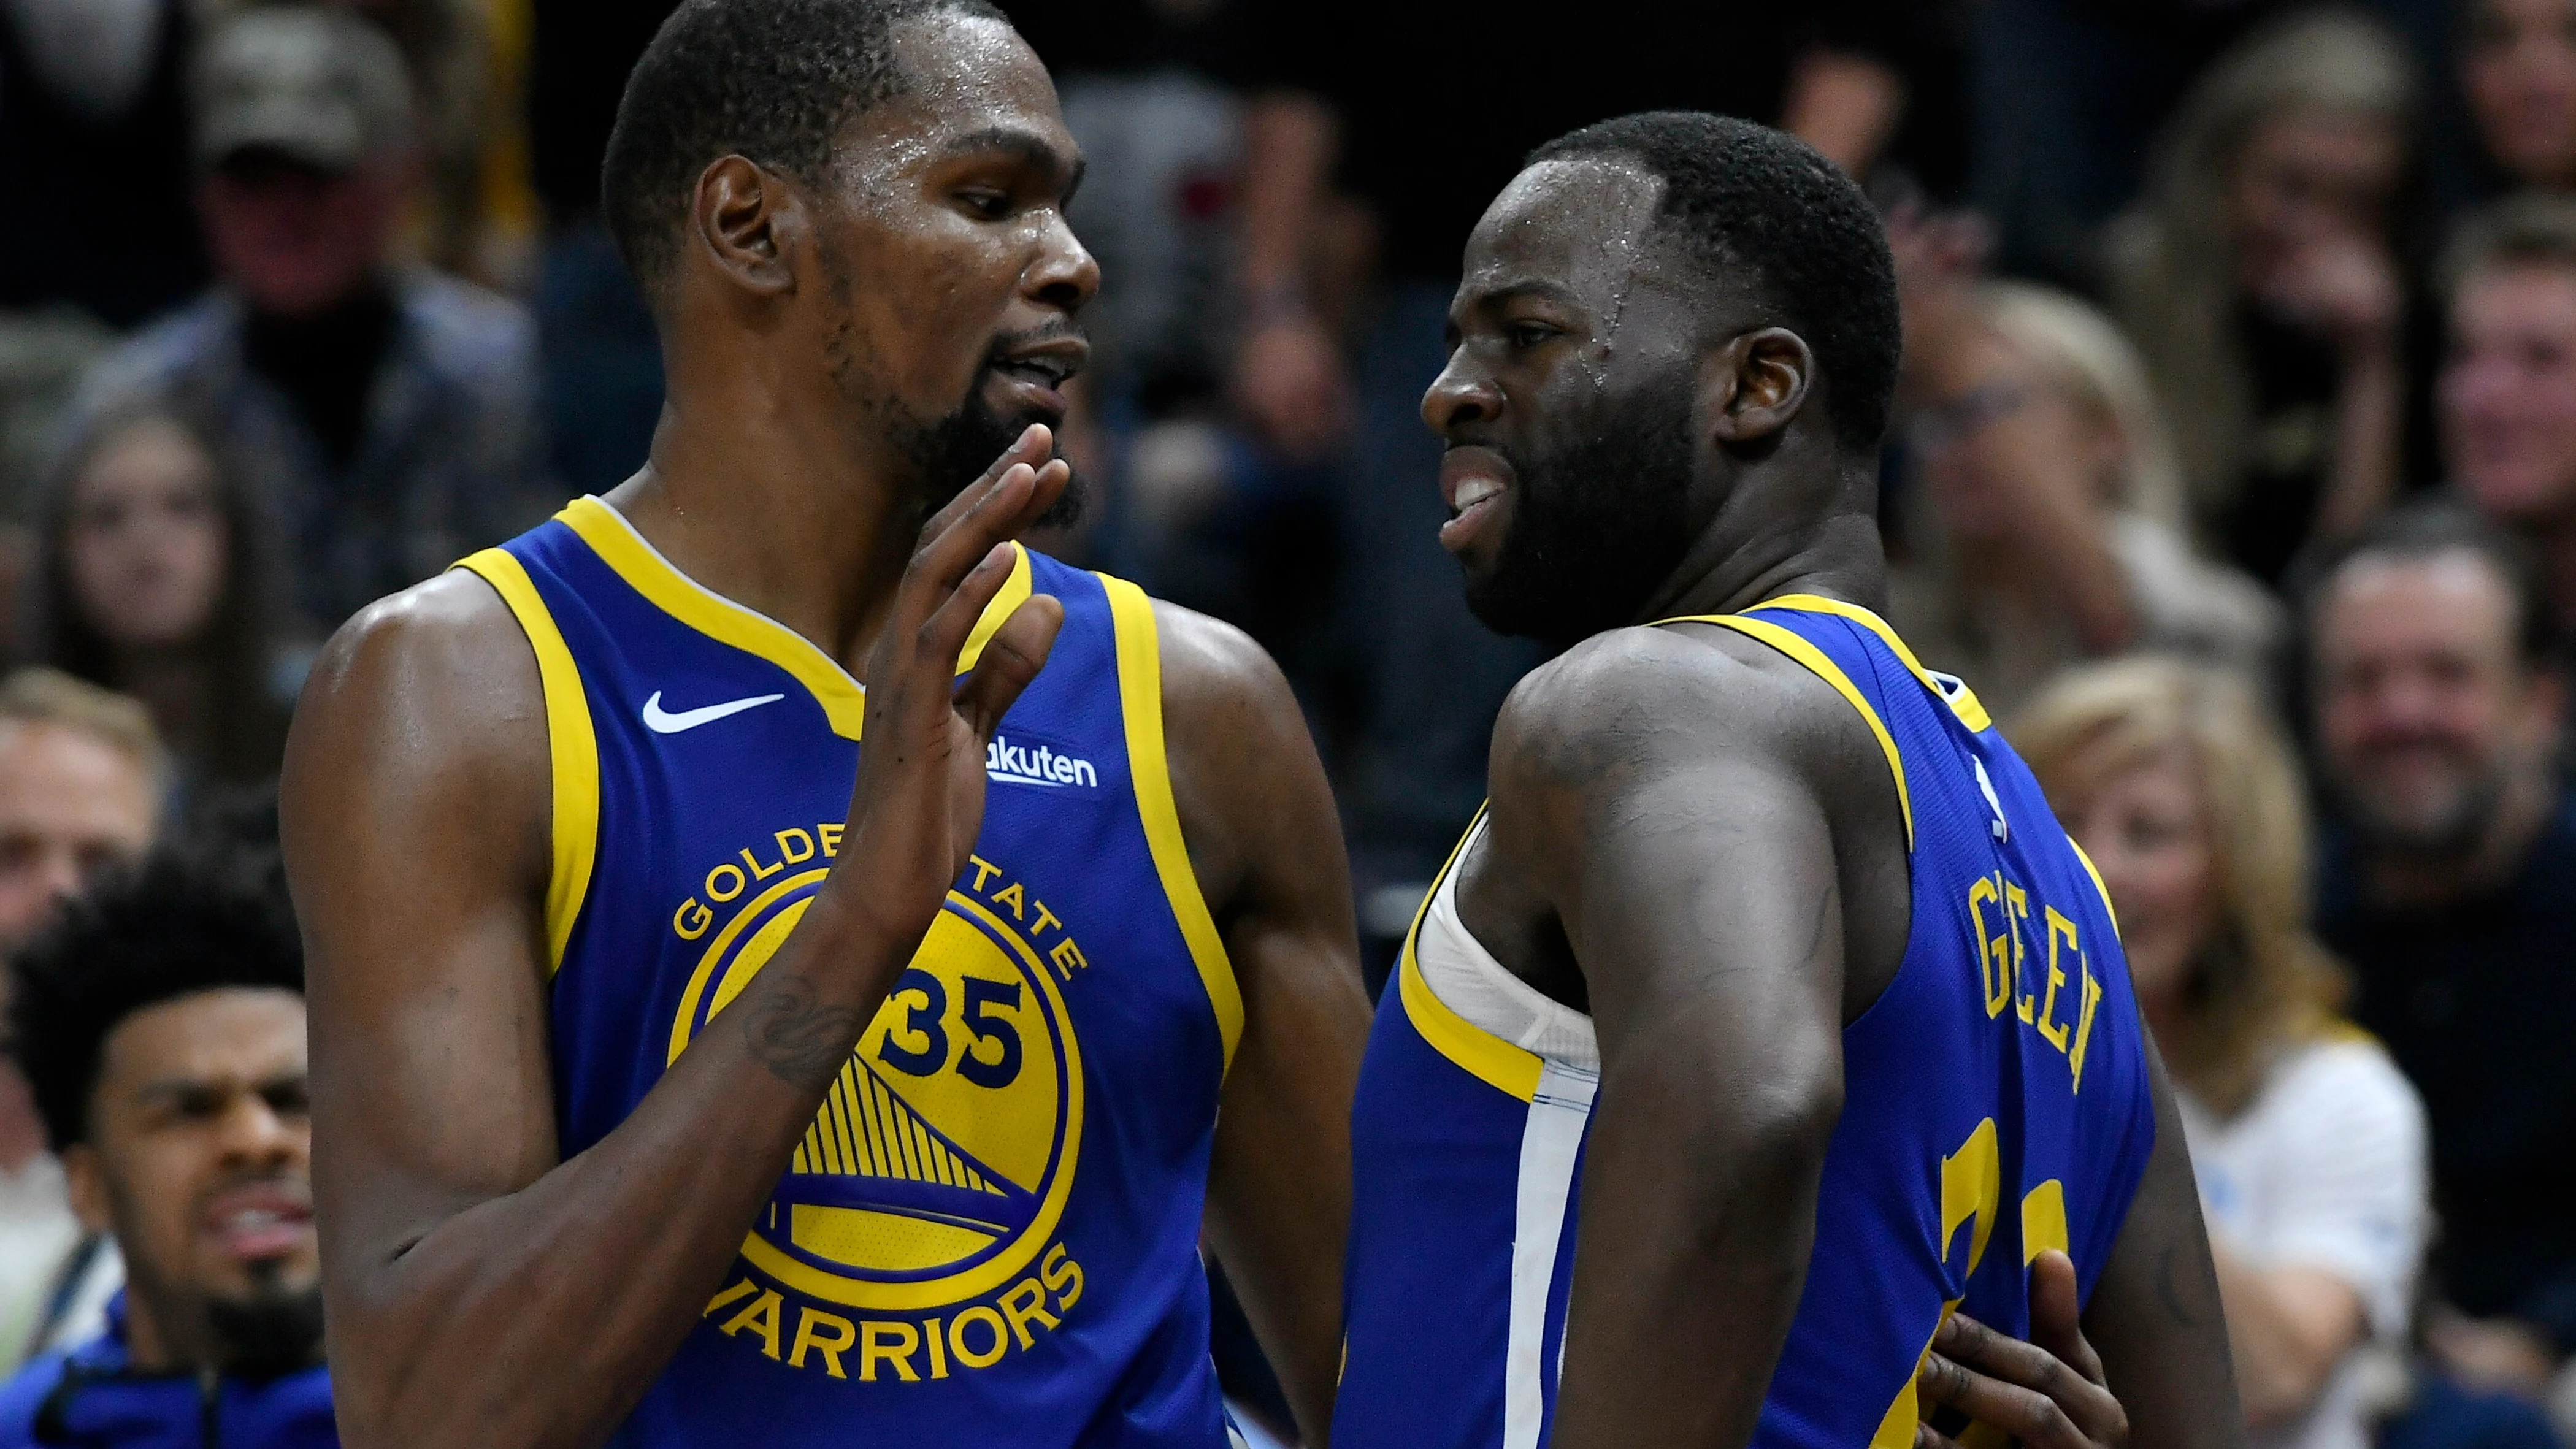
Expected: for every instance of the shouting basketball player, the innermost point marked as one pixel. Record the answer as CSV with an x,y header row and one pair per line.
x,y
688,1071
1768,1017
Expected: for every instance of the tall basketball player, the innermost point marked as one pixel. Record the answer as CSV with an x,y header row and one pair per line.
x,y
547,816
753,1003
1768,1017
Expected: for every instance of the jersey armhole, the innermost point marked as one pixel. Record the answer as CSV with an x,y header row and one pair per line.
x,y
1816,662
572,749
1140,692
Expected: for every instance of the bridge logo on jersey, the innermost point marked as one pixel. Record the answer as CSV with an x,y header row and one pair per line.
x,y
940,1161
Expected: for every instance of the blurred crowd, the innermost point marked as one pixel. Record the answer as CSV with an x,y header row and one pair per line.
x,y
2235,467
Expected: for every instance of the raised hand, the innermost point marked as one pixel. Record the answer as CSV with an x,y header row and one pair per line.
x,y
919,798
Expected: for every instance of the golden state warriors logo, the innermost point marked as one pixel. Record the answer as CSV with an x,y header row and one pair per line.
x,y
940,1162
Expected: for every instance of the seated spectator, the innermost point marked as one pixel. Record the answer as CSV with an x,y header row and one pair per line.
x,y
2308,1143
162,1022
2518,73
151,585
80,792
2508,390
386,411
2262,279
2044,532
2450,888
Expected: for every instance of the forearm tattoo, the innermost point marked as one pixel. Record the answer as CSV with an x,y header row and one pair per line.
x,y
803,1042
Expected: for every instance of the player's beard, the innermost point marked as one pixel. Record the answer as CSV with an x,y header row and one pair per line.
x,y
1597,526
272,1330
951,452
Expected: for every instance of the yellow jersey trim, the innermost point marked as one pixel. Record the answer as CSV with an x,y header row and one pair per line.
x,y
2108,909
1140,691
1481,1054
644,569
1964,704
1825,669
843,698
571,747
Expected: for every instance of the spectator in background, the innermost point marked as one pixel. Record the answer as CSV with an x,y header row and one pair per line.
x,y
385,412
2309,1144
2046,527
163,1024
151,583
2507,396
2450,888
2518,72
94,128
2262,278
80,793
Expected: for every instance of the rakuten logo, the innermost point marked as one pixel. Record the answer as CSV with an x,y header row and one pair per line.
x,y
1009,764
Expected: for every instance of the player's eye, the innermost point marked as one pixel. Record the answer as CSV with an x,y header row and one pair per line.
x,y
1526,335
990,203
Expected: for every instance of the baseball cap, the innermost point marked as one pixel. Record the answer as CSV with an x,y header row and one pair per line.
x,y
317,84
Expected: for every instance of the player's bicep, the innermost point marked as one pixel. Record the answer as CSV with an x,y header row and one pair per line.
x,y
2155,1315
414,805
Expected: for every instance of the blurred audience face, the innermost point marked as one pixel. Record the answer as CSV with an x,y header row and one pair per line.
x,y
145,539
198,1159
1993,414
294,238
2426,715
2147,830
2306,179
71,805
2507,394
2519,70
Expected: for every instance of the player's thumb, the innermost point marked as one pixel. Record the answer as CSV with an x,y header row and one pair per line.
x,y
1011,658
2056,1315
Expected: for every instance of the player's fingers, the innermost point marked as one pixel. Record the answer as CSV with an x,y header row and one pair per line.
x,y
1004,510
2057,1314
1035,444
2028,1366
1927,1437
938,640
1012,658
2024,1414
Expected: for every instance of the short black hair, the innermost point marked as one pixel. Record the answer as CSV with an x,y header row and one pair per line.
x,y
1748,196
171,928
778,81
2420,531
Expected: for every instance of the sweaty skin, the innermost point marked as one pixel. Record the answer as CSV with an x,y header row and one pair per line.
x,y
483,1290
1698,841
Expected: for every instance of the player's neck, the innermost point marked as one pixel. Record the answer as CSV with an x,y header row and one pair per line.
x,y
779,508
1731,568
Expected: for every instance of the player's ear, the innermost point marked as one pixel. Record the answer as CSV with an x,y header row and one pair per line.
x,y
1753,384
744,221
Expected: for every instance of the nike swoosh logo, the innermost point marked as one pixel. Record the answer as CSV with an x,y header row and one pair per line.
x,y
662,722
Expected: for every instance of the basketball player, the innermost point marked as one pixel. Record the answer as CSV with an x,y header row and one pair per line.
x,y
547,815
604,897
1767,1017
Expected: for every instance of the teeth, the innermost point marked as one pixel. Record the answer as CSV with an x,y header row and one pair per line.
x,y
1472,492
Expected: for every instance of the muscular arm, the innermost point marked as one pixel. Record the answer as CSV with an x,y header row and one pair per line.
x,y
480,1292
2155,1315
1695,875
1267,847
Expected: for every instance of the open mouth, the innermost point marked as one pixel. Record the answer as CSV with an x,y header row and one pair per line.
x,y
259,1222
1473,481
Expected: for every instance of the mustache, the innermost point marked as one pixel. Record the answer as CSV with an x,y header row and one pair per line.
x,y
1062,329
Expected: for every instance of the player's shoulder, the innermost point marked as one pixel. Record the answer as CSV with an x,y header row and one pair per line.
x,y
1215,672
1626,698
455,623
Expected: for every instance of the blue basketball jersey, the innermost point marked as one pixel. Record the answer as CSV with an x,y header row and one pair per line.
x,y
989,1233
1996,1102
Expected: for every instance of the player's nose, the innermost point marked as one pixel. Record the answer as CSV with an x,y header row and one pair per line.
x,y
1065,275
1460,395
